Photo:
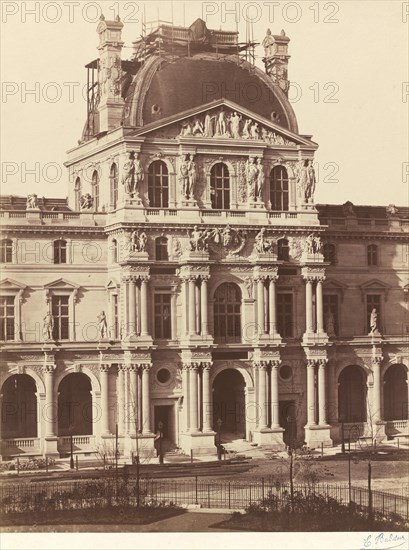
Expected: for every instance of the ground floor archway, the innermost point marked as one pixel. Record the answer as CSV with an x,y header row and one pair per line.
x,y
229,404
395,403
352,394
19,407
75,413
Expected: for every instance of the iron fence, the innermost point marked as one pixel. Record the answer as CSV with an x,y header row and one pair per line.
x,y
201,492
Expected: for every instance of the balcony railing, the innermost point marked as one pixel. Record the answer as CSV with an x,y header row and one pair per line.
x,y
21,445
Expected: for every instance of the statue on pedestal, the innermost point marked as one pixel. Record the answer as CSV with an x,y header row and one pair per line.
x,y
373,322
330,323
48,326
184,176
138,241
86,202
306,182
196,240
102,325
32,202
133,175
192,176
262,245
268,44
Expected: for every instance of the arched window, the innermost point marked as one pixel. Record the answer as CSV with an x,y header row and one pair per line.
x,y
329,253
158,184
113,180
227,312
283,250
6,251
220,186
395,393
279,188
161,249
77,194
372,253
95,190
60,252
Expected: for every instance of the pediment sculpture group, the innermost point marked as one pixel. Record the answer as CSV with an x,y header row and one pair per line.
x,y
229,124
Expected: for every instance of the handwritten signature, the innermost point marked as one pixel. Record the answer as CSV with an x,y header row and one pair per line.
x,y
384,541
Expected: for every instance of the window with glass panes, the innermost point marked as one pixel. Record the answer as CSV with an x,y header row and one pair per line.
x,y
330,303
372,253
220,186
7,322
329,253
158,185
60,252
60,313
373,301
161,249
6,251
116,334
283,250
227,312
279,188
285,323
163,317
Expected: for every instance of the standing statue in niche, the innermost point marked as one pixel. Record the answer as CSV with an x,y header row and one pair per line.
x,y
192,176
251,177
260,180
262,245
306,182
102,325
268,44
184,176
373,322
133,175
48,326
196,240
138,241
330,323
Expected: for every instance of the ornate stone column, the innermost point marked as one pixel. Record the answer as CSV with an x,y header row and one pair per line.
x,y
144,306
207,399
50,402
308,305
320,307
310,393
185,386
272,306
131,306
193,398
197,309
134,404
275,416
262,395
203,308
121,399
146,405
260,305
103,375
192,306
322,404
376,402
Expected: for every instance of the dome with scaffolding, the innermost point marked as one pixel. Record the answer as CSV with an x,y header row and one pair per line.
x,y
176,69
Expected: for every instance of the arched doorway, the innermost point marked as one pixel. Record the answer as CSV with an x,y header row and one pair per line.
x,y
395,397
352,393
19,407
75,405
229,405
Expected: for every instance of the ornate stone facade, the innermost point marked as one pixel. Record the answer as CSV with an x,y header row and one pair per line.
x,y
195,279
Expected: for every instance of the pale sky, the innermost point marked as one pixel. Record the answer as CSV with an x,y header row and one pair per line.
x,y
355,53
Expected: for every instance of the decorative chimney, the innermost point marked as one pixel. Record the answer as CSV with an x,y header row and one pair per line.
x,y
111,103
276,58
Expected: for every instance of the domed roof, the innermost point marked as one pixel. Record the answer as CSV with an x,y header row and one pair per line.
x,y
166,86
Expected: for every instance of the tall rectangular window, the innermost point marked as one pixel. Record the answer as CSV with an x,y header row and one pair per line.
x,y
285,322
373,301
331,313
60,313
60,252
163,317
7,321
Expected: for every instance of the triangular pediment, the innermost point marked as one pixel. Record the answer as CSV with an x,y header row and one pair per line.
x,y
11,284
335,286
223,120
375,285
61,283
112,284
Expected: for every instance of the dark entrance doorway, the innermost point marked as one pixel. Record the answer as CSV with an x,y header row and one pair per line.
x,y
288,421
166,415
75,405
229,404
19,407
